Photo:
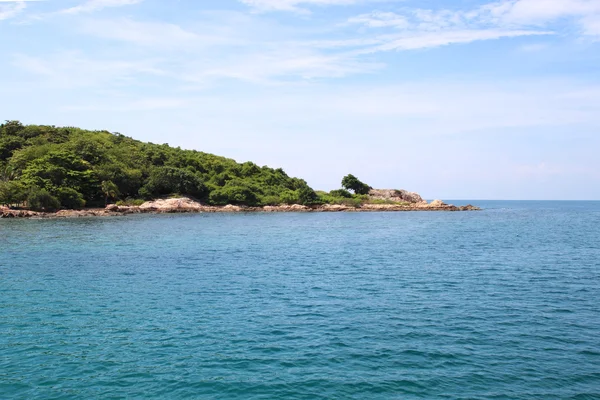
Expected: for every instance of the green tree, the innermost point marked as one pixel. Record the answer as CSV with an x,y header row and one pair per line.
x,y
110,190
236,192
307,196
8,173
11,128
70,198
168,180
41,200
71,164
341,193
350,182
61,169
11,192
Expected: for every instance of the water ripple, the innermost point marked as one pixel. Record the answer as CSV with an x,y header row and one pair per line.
x,y
499,304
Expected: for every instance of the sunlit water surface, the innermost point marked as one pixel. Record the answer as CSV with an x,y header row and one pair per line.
x,y
498,304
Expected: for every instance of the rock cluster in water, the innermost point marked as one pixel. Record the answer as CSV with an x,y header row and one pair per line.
x,y
394,200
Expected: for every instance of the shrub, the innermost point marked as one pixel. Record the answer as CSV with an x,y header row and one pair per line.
x,y
129,202
307,196
233,194
270,201
12,193
70,198
289,197
167,180
341,193
41,200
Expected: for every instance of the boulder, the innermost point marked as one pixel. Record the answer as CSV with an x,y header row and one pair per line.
x,y
399,196
171,205
437,203
231,208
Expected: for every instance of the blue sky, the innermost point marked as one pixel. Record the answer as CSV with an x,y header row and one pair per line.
x,y
453,99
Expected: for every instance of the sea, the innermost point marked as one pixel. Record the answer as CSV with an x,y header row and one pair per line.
x,y
502,303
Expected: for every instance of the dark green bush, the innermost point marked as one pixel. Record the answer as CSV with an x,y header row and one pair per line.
x,y
54,158
341,193
41,200
234,194
167,180
70,198
129,202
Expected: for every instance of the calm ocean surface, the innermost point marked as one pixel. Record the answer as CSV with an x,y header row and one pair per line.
x,y
498,304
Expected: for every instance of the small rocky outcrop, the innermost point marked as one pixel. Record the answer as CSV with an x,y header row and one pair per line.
x,y
171,205
437,203
6,212
188,205
395,195
286,207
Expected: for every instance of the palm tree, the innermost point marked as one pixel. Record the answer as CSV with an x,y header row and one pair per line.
x,y
110,190
8,173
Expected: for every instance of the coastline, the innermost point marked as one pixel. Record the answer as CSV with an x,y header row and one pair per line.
x,y
186,205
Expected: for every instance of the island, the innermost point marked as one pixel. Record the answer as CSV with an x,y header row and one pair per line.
x,y
48,171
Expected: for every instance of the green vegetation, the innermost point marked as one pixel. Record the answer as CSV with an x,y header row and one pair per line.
x,y
344,197
350,182
48,167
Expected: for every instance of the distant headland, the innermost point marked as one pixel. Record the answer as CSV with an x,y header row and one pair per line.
x,y
48,171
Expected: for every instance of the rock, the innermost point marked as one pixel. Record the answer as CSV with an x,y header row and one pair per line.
x,y
437,203
184,205
380,207
334,207
399,196
284,208
298,207
171,205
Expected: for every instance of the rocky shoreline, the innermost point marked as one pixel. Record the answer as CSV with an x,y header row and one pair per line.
x,y
187,205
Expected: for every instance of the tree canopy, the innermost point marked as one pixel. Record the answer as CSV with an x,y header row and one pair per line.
x,y
51,167
350,182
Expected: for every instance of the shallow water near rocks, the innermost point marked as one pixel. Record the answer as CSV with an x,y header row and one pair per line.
x,y
497,304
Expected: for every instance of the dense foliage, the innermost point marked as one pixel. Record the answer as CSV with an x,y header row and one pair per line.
x,y
49,167
350,182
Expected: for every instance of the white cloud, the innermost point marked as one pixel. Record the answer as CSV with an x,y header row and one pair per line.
x,y
543,11
378,19
279,66
293,5
141,33
418,28
72,69
11,10
591,26
507,15
437,39
127,105
96,5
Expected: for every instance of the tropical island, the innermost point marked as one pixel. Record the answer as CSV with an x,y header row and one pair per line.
x,y
67,171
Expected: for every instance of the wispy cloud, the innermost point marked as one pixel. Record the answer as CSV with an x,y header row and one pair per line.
x,y
155,34
424,40
10,9
96,5
295,5
72,69
508,15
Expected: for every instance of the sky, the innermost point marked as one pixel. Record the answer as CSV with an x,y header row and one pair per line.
x,y
454,99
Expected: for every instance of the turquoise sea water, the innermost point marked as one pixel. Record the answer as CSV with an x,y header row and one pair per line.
x,y
498,304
